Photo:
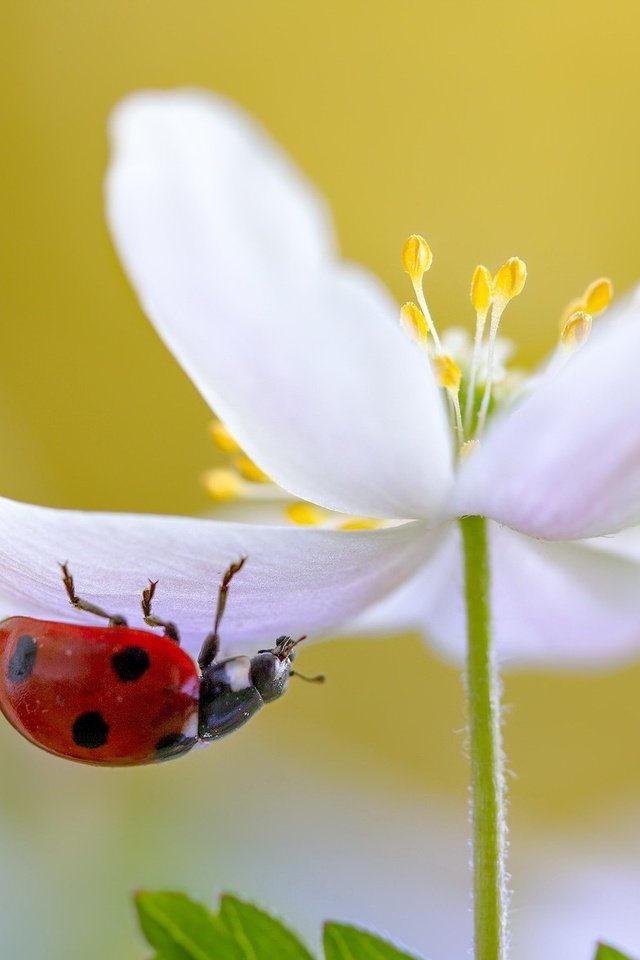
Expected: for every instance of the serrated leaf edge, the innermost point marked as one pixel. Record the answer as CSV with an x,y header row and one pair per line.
x,y
335,926
174,931
228,900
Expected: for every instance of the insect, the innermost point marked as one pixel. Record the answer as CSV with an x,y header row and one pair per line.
x,y
117,696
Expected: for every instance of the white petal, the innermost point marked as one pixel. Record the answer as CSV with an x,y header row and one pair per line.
x,y
301,355
564,603
560,604
565,464
414,605
625,543
295,580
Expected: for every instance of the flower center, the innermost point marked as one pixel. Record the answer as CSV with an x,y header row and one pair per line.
x,y
474,372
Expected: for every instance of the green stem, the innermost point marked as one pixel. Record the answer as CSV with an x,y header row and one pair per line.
x,y
485,746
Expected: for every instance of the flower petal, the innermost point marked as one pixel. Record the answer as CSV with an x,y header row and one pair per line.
x,y
414,605
295,580
565,463
561,604
624,543
564,603
301,355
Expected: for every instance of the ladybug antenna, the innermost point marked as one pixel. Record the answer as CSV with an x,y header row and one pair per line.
x,y
294,643
284,647
319,678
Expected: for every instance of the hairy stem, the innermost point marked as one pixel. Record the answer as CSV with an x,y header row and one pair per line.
x,y
485,747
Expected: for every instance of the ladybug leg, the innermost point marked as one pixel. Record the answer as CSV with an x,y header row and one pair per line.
x,y
74,599
211,645
170,629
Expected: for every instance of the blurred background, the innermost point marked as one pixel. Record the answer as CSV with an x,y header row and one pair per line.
x,y
495,129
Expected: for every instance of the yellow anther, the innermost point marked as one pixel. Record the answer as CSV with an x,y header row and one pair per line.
x,y
510,279
570,309
416,257
481,289
360,523
250,470
448,375
576,329
222,438
222,484
594,300
447,372
481,293
413,322
305,514
598,296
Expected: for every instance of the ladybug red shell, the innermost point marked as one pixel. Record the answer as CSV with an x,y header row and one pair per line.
x,y
98,694
117,696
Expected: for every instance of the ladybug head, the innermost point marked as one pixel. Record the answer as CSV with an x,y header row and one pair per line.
x,y
271,669
233,690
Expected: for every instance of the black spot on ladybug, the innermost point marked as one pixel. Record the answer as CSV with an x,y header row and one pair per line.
x,y
130,664
23,660
90,730
174,744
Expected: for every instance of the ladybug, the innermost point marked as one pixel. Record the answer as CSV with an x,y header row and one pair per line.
x,y
116,696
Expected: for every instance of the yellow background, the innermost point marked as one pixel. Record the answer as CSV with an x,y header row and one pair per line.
x,y
495,129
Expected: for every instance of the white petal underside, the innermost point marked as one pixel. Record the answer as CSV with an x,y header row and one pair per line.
x,y
232,255
565,463
295,580
555,604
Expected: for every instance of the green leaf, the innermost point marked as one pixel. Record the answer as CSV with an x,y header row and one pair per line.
x,y
349,943
180,929
258,934
609,953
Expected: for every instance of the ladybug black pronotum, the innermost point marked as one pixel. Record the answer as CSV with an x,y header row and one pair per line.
x,y
116,696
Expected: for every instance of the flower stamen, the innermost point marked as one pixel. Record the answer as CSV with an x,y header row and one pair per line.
x,y
250,470
448,376
222,438
508,283
224,484
416,259
413,323
481,295
577,319
576,330
598,296
245,480
305,514
242,478
360,523
594,300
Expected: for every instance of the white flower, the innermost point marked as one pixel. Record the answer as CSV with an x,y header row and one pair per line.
x,y
303,358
